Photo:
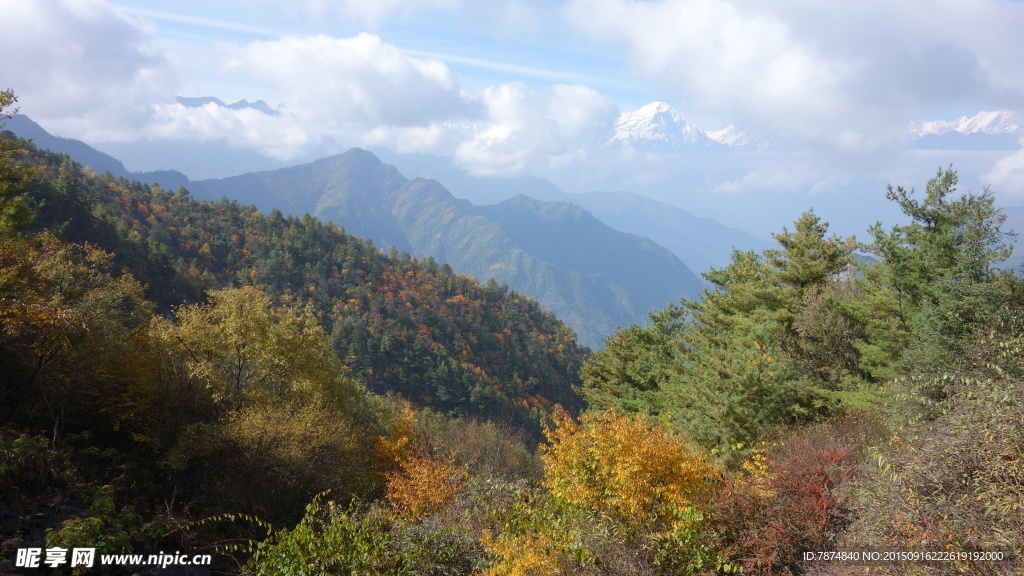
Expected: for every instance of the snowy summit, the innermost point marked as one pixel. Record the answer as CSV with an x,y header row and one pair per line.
x,y
658,127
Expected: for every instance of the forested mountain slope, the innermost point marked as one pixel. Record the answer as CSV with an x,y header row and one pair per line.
x,y
400,324
591,276
86,155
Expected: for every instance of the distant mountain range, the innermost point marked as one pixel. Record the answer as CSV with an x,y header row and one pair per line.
x,y
589,274
998,130
701,243
196,102
593,277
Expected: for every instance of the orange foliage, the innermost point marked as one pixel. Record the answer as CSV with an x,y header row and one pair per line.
x,y
424,484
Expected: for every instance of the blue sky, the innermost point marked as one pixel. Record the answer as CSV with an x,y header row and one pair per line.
x,y
516,87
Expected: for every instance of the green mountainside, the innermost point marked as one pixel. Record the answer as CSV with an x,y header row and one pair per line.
x,y
399,323
591,276
701,243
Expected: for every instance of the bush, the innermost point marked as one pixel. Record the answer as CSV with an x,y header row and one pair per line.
x,y
29,465
952,483
329,539
785,506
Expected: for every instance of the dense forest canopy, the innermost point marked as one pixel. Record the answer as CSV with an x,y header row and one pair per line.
x,y
195,375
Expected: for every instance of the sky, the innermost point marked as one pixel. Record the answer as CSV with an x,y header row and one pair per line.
x,y
523,87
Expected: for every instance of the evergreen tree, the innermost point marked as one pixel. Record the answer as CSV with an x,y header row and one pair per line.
x,y
935,277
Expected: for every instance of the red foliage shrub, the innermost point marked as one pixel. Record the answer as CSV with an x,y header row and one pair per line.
x,y
765,524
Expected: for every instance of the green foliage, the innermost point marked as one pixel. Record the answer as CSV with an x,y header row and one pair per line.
x,y
636,360
935,280
109,528
436,547
329,540
16,208
729,368
28,464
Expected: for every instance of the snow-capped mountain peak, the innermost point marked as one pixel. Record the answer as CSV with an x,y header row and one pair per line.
x,y
658,126
990,122
990,130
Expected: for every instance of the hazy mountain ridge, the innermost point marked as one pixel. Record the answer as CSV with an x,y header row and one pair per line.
x,y
86,155
196,102
702,243
548,251
699,242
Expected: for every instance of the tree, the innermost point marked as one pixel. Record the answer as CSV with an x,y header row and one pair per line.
x,y
7,99
66,328
16,210
727,368
935,278
806,257
245,350
287,422
636,361
623,465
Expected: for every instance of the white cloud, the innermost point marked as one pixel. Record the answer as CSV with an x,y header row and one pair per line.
x,y
278,137
525,130
846,75
82,67
1007,175
353,83
361,91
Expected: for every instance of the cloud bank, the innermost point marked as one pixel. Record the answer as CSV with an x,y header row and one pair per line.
x,y
83,67
843,75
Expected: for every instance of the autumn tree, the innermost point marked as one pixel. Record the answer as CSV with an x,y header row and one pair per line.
x,y
624,465
245,350
68,327
287,422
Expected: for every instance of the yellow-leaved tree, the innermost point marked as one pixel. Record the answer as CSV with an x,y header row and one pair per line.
x,y
625,465
246,350
622,492
287,423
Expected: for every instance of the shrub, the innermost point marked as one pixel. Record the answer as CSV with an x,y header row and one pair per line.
x,y
329,540
793,503
625,466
